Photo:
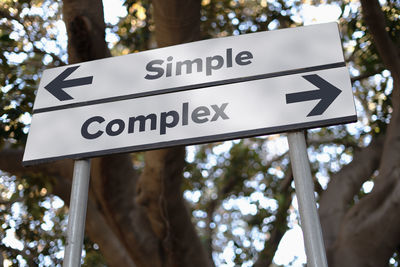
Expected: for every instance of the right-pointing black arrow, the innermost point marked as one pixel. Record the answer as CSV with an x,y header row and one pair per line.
x,y
56,86
326,92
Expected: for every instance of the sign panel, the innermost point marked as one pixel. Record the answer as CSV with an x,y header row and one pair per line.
x,y
244,95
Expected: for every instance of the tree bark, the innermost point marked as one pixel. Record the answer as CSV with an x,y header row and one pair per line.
x,y
85,25
266,256
144,216
368,234
343,186
177,21
159,187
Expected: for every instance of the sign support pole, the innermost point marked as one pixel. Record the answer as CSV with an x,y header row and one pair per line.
x,y
77,213
314,244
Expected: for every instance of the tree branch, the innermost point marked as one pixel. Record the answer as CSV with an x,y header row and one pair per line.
x,y
359,242
11,162
334,202
28,257
366,75
9,202
327,139
375,19
111,245
279,228
226,190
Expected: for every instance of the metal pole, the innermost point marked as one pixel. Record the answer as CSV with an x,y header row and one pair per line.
x,y
77,213
315,249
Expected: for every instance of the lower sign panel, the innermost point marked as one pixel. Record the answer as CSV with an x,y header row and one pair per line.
x,y
216,113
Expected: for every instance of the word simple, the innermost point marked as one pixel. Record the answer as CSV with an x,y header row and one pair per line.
x,y
168,119
212,63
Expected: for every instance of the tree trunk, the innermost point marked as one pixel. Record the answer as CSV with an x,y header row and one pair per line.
x,y
367,233
138,217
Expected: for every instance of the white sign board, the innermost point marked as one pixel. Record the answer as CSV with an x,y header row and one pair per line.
x,y
198,92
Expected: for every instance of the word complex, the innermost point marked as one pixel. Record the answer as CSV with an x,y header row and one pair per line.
x,y
166,120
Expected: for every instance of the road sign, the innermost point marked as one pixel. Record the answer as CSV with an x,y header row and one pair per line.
x,y
199,92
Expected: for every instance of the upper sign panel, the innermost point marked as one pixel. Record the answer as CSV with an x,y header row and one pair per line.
x,y
189,66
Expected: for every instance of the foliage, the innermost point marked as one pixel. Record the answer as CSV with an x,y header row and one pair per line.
x,y
28,39
225,18
235,196
32,222
135,31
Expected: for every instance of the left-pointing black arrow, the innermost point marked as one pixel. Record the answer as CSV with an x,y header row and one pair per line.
x,y
326,92
56,86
